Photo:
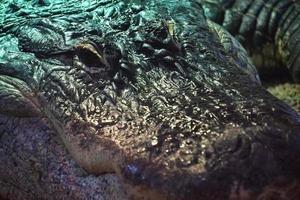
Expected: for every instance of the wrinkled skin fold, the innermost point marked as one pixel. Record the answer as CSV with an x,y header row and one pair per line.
x,y
152,92
268,29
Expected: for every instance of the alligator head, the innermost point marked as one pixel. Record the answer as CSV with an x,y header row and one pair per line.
x,y
147,90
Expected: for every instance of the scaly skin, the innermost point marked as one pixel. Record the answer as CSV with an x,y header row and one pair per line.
x,y
150,91
269,28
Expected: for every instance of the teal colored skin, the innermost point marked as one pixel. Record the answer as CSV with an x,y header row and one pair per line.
x,y
151,91
268,29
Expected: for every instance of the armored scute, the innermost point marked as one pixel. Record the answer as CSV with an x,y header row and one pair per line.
x,y
133,99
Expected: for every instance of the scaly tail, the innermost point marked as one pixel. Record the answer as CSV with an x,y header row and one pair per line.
x,y
260,23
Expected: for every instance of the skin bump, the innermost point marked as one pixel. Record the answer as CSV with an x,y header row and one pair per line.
x,y
156,93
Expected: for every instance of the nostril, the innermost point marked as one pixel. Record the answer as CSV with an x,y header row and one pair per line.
x,y
140,172
234,142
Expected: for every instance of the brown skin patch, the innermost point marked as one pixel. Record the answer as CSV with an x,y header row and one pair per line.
x,y
94,153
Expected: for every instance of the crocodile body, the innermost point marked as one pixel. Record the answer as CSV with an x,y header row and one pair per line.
x,y
268,29
151,91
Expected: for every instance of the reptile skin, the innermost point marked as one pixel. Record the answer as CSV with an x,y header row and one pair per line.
x,y
269,29
156,93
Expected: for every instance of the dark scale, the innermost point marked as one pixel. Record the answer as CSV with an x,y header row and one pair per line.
x,y
135,99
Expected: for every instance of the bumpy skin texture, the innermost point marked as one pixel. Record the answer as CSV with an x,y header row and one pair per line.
x,y
146,90
268,27
35,165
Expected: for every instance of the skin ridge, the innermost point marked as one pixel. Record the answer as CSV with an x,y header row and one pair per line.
x,y
270,24
146,89
256,17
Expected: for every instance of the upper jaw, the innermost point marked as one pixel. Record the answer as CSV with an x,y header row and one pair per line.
x,y
242,164
133,143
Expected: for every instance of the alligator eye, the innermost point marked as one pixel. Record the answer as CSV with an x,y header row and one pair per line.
x,y
90,59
